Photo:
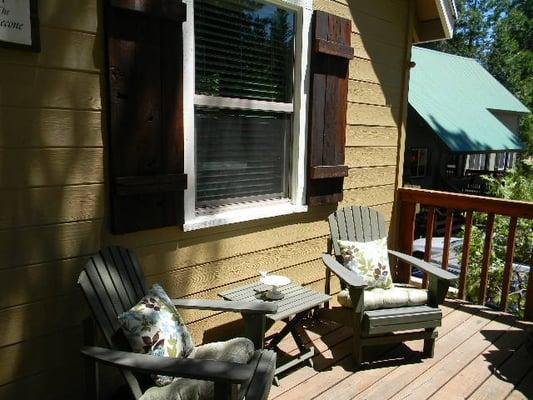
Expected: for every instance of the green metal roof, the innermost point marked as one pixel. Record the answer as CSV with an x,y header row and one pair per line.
x,y
454,94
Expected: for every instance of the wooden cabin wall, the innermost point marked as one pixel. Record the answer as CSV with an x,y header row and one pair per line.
x,y
53,201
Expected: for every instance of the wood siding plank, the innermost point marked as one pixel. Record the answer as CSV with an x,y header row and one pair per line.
x,y
367,114
22,86
369,196
35,127
50,205
371,136
79,15
373,93
46,167
49,243
370,156
60,49
364,177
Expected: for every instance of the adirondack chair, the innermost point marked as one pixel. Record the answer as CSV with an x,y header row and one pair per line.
x,y
380,326
113,282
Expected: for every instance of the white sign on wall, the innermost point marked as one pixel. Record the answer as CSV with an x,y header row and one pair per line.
x,y
18,23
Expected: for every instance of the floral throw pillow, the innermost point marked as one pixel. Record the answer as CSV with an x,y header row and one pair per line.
x,y
153,326
368,259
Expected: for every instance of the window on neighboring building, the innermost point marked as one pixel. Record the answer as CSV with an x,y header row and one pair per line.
x,y
510,160
500,161
243,141
476,162
418,159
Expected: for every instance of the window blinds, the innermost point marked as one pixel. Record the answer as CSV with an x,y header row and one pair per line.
x,y
244,50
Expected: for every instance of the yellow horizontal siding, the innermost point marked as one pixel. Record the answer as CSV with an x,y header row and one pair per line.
x,y
50,205
38,127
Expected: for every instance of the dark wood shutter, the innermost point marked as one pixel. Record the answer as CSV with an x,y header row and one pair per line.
x,y
327,124
144,61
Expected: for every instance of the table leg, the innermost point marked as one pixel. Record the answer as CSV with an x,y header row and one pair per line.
x,y
308,351
277,338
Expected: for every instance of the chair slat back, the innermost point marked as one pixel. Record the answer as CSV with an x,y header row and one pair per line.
x,y
356,223
112,282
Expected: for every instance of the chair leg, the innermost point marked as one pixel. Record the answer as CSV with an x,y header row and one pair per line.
x,y
429,345
357,351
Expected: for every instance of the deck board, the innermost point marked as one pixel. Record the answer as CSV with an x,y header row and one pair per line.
x,y
479,354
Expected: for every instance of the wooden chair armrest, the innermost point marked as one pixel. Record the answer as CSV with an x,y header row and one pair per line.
x,y
244,307
437,272
207,370
349,277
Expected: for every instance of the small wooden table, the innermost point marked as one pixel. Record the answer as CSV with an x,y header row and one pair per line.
x,y
296,305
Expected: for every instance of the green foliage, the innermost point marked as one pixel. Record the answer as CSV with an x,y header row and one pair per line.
x,y
517,185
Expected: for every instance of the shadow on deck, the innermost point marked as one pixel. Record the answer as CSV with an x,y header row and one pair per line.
x,y
480,353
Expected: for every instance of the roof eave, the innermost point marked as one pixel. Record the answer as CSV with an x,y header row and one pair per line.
x,y
440,26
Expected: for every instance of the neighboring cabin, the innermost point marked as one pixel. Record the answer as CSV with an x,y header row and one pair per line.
x,y
461,123
64,143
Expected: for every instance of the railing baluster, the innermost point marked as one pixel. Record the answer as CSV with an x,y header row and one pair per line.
x,y
465,256
487,248
430,225
407,223
447,237
528,312
508,269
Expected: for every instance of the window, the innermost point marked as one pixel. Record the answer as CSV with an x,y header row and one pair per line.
x,y
510,161
245,126
499,162
477,162
418,159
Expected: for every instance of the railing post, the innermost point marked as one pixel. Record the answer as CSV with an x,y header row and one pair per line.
x,y
508,269
528,312
407,235
487,249
465,256
447,238
430,226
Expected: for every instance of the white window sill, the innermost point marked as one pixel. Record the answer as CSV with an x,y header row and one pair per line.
x,y
254,211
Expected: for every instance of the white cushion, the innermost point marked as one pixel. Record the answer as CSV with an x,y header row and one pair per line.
x,y
238,350
398,296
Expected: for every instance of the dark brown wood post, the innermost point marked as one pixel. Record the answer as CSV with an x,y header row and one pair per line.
x,y
430,226
407,235
484,277
508,269
528,313
465,256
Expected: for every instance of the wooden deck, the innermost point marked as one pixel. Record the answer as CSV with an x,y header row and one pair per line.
x,y
480,354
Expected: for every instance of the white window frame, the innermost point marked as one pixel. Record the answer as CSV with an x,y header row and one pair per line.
x,y
198,219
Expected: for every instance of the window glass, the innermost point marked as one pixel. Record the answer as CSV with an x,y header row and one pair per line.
x,y
244,49
244,67
500,161
241,154
510,160
476,161
418,160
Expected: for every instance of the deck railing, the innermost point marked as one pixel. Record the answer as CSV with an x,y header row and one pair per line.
x,y
409,198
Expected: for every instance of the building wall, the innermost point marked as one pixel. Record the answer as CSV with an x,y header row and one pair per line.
x,y
420,135
53,204
509,119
